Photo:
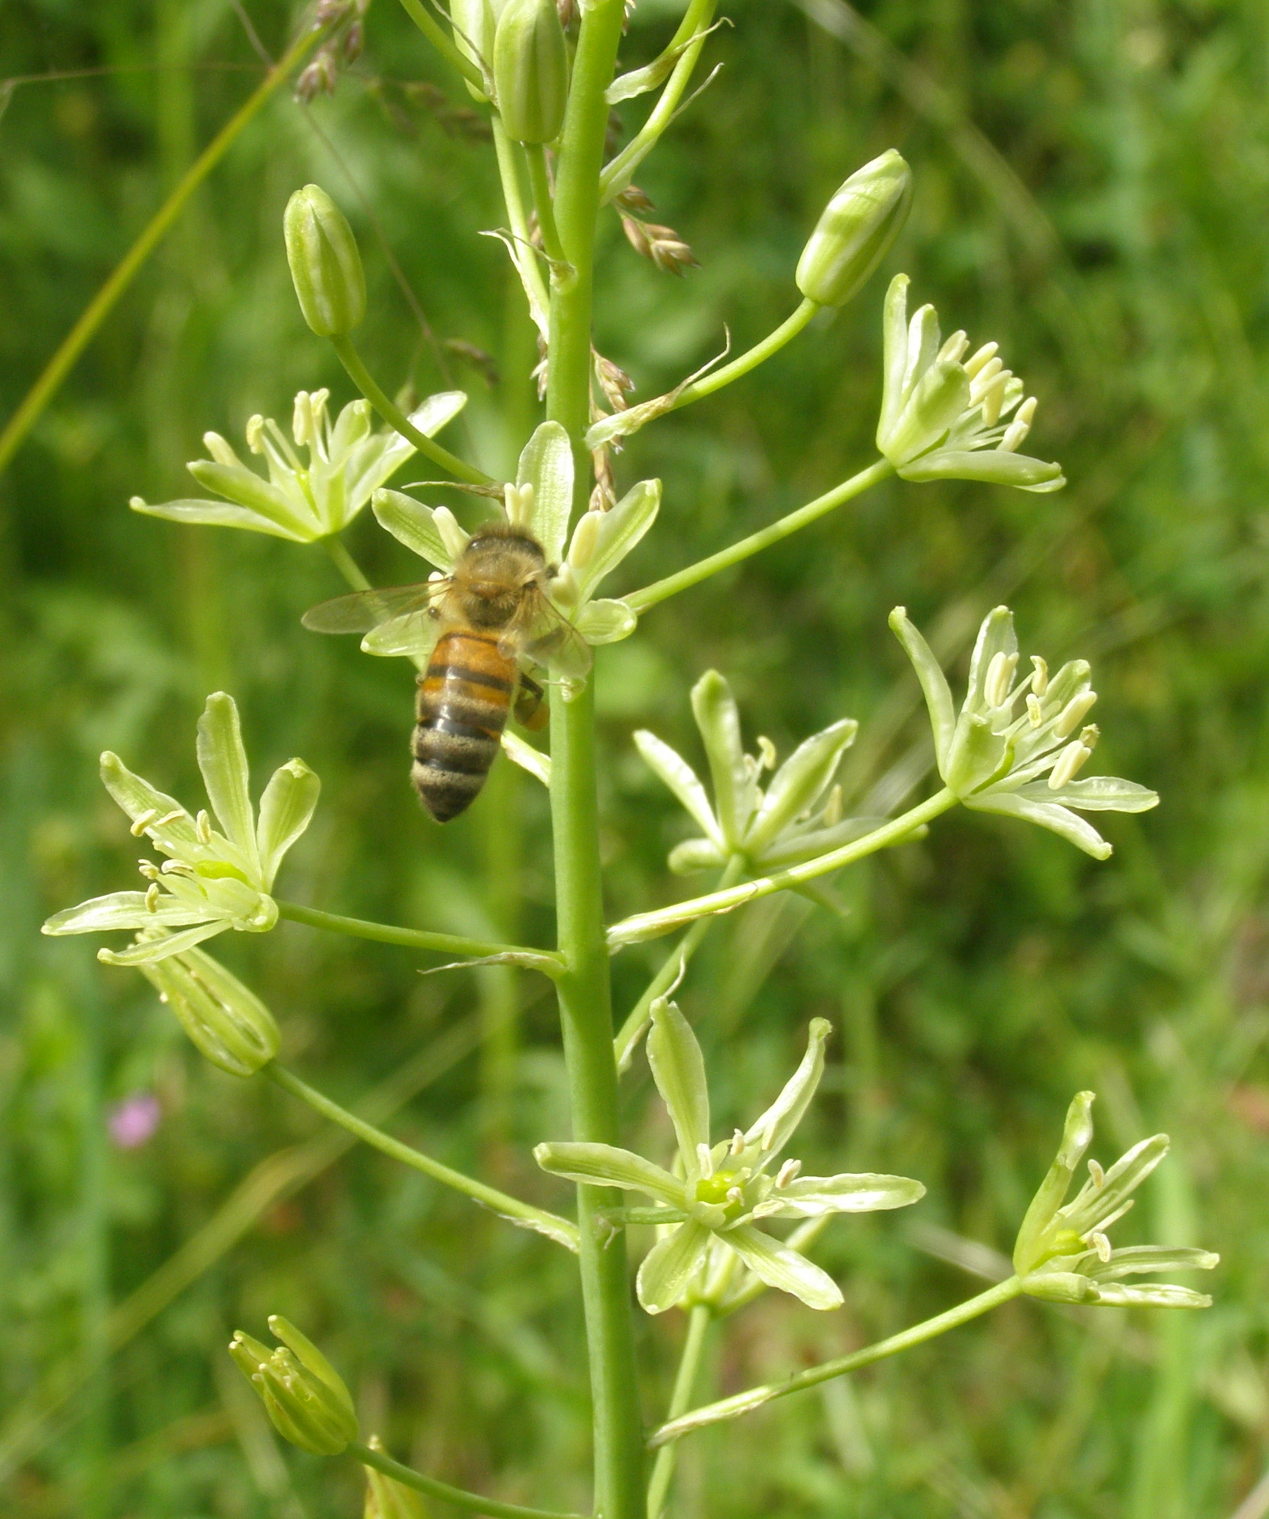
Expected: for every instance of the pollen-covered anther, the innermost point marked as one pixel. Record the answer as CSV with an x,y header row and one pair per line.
x,y
152,896
1016,432
766,753
143,821
1073,714
1097,1173
1101,1244
1039,673
788,1172
736,1195
148,869
202,827
999,678
737,1145
255,434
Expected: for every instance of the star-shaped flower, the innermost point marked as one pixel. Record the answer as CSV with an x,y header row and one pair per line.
x,y
719,1196
1062,1251
796,816
1018,744
303,500
216,877
943,416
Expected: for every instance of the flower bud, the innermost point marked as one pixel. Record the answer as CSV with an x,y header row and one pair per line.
x,y
228,1022
303,1394
856,229
530,70
325,264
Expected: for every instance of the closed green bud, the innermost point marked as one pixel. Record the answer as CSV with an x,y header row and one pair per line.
x,y
856,229
303,1394
530,70
225,1019
325,264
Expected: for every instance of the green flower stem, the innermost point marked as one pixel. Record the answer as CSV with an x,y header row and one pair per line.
x,y
648,925
395,417
755,1397
523,254
413,938
750,359
346,564
101,305
501,1203
459,1497
442,41
618,174
585,993
539,181
672,968
698,1323
659,590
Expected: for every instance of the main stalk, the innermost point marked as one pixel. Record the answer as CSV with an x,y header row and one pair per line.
x,y
584,989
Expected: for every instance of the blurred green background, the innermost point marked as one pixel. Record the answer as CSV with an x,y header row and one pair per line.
x,y
1092,184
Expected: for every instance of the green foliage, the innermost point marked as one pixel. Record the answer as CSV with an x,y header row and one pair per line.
x,y
1086,189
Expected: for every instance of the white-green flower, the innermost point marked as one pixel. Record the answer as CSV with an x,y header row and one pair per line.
x,y
227,1022
948,417
1062,1251
1018,743
312,489
220,866
795,816
716,1197
540,501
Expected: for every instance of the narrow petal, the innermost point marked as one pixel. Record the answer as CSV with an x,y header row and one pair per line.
x,y
1077,1134
895,348
1100,793
222,514
154,813
783,1268
222,759
412,523
670,1265
1156,1295
671,768
773,1129
608,1166
989,465
606,621
382,454
285,810
237,483
617,532
546,464
1059,820
1144,1258
995,636
1096,1204
934,686
718,718
122,909
678,1068
800,782
810,1196
146,950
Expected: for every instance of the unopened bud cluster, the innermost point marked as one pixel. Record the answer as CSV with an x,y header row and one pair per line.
x,y
303,1394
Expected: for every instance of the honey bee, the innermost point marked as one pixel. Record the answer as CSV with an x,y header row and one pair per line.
x,y
482,622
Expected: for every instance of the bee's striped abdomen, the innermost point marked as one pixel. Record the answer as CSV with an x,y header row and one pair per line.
x,y
463,703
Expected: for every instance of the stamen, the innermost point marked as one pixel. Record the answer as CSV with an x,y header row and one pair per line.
x,y
833,808
1101,1244
1073,714
255,432
1039,675
220,450
737,1146
766,753
1097,1173
152,896
983,376
203,828
977,360
141,823
787,1172
1035,712
168,818
954,348
999,676
1068,765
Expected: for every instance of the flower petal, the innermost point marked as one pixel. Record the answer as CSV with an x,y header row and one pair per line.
x,y
599,1165
615,534
1099,1202
285,811
934,686
1152,1295
1057,819
772,1131
122,909
670,1265
992,466
1142,1258
160,817
783,1268
222,759
146,951
1030,1248
671,768
382,454
412,523
718,717
222,514
238,483
810,1196
800,781
606,621
546,464
678,1068
1100,793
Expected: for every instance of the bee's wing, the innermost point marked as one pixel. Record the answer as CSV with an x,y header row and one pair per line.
x,y
364,610
548,638
395,620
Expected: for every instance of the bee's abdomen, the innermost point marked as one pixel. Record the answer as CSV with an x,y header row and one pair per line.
x,y
462,709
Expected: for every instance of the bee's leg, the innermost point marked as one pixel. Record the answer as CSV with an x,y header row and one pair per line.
x,y
531,711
